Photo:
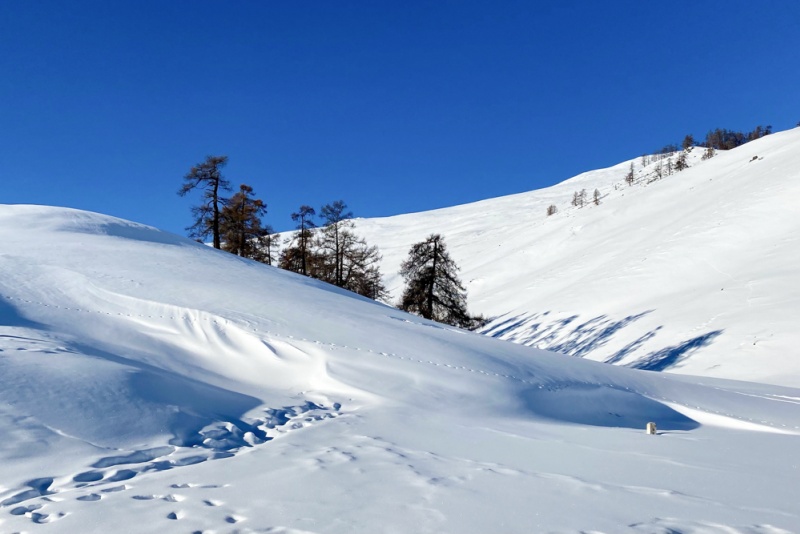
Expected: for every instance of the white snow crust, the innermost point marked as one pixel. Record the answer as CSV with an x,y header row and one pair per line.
x,y
152,384
695,273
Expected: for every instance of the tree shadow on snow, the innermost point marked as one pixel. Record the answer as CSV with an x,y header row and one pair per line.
x,y
573,338
563,335
670,356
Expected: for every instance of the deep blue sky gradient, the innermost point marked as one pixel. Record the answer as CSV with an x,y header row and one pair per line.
x,y
392,106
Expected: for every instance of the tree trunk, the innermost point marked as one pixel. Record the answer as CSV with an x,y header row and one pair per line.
x,y
433,280
215,222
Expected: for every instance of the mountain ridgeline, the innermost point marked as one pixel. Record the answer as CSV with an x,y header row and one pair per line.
x,y
682,271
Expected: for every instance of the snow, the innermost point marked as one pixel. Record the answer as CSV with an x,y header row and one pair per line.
x,y
694,273
152,384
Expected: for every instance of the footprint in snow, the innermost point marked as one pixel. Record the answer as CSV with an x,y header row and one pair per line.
x,y
88,476
22,510
46,518
39,488
187,485
122,474
115,489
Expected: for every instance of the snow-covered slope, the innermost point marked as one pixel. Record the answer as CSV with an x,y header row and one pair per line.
x,y
151,384
695,273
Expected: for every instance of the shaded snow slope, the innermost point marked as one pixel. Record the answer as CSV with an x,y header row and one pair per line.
x,y
694,273
151,384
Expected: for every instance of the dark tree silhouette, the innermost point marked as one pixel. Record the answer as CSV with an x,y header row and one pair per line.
x,y
433,289
681,163
297,256
358,269
579,198
267,244
659,171
240,223
629,176
722,139
207,176
336,222
334,254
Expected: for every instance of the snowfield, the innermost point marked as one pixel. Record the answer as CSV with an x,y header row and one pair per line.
x,y
695,273
152,384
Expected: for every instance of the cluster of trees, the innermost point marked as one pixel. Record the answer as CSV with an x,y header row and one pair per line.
x,y
721,139
717,139
668,160
331,252
579,199
665,165
672,158
233,224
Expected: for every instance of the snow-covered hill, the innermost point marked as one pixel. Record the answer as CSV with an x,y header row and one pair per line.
x,y
151,384
694,273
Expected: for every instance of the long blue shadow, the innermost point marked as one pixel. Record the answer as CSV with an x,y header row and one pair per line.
x,y
670,356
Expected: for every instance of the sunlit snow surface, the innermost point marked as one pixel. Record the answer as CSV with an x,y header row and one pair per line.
x,y
151,384
696,273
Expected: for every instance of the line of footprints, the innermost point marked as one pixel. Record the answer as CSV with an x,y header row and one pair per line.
x,y
211,444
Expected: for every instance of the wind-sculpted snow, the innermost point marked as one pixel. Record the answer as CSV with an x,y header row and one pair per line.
x,y
154,383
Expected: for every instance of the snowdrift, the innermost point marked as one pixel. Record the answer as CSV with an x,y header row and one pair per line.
x,y
150,382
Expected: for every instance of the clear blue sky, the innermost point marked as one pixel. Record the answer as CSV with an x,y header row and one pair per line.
x,y
393,107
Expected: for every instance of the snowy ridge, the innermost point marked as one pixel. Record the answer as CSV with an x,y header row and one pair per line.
x,y
692,273
151,382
